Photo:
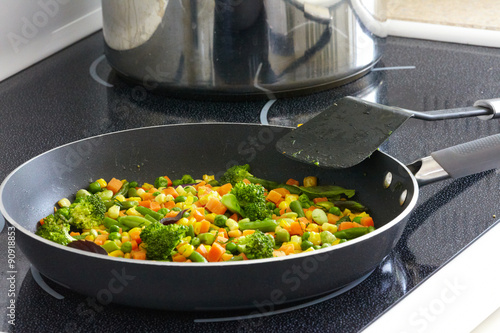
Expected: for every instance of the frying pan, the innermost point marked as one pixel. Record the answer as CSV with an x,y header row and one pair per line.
x,y
383,184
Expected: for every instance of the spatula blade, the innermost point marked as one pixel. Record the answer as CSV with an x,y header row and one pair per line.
x,y
343,135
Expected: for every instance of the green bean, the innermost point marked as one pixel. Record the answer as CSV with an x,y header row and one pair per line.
x,y
351,232
197,257
108,222
126,204
150,218
123,190
134,221
266,225
146,211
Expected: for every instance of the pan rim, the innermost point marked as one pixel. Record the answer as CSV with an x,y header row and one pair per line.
x,y
32,235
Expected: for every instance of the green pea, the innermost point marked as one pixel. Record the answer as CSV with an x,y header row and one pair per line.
x,y
114,228
176,209
163,211
180,198
305,235
357,219
220,221
126,247
133,184
114,235
206,238
132,192
94,187
270,205
232,247
335,211
195,241
306,244
176,182
282,236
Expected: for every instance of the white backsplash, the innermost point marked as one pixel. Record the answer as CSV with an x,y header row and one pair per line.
x,y
31,30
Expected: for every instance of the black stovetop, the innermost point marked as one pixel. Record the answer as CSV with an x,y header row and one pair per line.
x,y
74,94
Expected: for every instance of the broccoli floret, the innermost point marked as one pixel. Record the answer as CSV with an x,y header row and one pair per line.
x,y
248,200
160,240
87,212
256,246
55,229
238,173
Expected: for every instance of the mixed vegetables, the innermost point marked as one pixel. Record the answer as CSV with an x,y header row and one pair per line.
x,y
238,217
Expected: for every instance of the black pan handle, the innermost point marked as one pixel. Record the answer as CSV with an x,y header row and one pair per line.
x,y
459,161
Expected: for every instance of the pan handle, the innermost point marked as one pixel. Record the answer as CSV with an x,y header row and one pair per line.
x,y
459,161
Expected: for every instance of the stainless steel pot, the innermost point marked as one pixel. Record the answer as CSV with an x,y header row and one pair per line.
x,y
243,47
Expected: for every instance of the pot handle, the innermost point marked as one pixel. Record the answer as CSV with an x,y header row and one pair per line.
x,y
313,12
459,161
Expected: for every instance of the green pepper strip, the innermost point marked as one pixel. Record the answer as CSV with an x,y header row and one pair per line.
x,y
296,207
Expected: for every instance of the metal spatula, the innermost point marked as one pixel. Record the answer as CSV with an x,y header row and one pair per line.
x,y
352,129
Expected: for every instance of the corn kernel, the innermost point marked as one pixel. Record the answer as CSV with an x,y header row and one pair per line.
x,y
208,178
133,212
147,186
210,217
186,249
114,211
90,238
235,233
180,190
169,197
116,253
183,221
309,214
283,205
161,198
291,197
315,238
134,199
127,255
296,239
329,227
207,247
186,239
232,224
140,192
189,200
335,242
197,227
285,223
309,249
102,182
64,202
226,256
120,198
296,245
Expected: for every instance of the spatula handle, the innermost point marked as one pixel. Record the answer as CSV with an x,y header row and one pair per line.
x,y
471,157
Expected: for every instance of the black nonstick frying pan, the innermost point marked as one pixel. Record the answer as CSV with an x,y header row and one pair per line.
x,y
383,184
